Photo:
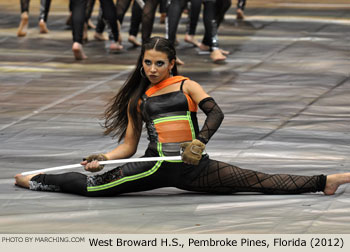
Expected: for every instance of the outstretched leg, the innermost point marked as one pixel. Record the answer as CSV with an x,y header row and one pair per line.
x,y
131,177
334,181
70,182
219,177
23,181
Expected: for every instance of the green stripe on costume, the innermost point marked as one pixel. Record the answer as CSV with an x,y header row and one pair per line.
x,y
170,119
126,179
161,154
189,118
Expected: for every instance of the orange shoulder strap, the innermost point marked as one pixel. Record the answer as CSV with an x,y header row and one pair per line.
x,y
165,83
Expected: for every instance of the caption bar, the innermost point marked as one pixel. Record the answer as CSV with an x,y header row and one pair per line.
x,y
180,242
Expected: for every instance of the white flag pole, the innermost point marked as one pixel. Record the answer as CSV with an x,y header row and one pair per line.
x,y
117,161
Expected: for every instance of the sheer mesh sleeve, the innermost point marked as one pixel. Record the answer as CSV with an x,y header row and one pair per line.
x,y
213,120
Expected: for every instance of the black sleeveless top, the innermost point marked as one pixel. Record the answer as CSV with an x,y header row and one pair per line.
x,y
170,118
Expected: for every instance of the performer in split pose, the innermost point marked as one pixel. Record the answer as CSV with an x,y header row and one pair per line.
x,y
167,103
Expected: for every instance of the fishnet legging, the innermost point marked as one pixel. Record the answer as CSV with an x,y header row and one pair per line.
x,y
122,6
222,178
148,13
89,8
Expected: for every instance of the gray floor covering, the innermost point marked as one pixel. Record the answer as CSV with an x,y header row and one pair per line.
x,y
285,92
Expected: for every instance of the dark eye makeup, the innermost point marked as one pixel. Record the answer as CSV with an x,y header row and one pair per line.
x,y
159,63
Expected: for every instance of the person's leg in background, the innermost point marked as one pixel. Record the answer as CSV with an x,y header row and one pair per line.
x,y
210,40
78,20
23,25
44,13
136,20
148,14
240,9
110,15
194,13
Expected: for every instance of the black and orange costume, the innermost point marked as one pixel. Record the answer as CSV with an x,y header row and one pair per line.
x,y
171,119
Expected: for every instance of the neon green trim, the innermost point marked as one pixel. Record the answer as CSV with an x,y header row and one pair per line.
x,y
187,117
161,154
159,149
126,179
170,119
191,124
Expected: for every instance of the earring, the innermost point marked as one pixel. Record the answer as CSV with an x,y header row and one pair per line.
x,y
142,72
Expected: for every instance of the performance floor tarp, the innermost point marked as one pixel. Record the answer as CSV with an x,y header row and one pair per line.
x,y
284,89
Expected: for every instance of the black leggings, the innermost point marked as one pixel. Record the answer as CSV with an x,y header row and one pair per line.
x,y
221,7
44,8
122,6
175,10
174,14
136,15
78,8
213,14
241,4
79,18
210,25
195,10
148,14
210,176
89,8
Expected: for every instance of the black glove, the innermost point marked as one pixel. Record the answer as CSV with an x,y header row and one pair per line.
x,y
213,120
192,152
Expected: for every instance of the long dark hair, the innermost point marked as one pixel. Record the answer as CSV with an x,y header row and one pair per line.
x,y
126,100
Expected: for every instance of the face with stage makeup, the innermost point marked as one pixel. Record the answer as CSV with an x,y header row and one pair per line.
x,y
156,66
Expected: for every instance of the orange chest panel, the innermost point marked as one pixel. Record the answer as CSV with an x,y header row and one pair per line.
x,y
174,131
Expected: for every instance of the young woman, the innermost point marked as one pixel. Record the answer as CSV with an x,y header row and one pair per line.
x,y
167,103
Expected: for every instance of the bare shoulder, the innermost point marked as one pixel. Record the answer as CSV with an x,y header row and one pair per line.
x,y
195,90
190,85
